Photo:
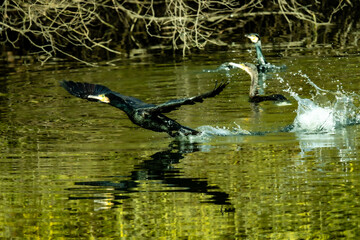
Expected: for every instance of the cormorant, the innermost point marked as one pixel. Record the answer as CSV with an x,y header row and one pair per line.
x,y
149,116
263,65
252,70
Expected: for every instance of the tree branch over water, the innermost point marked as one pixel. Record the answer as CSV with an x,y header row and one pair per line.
x,y
82,29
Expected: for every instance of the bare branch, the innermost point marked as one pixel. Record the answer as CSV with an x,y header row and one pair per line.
x,y
60,26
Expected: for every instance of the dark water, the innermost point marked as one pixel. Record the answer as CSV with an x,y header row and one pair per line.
x,y
75,169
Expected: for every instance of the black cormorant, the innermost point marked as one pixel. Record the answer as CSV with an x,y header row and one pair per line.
x,y
263,65
252,70
149,116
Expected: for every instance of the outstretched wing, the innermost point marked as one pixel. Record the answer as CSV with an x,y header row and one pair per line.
x,y
84,90
100,93
175,104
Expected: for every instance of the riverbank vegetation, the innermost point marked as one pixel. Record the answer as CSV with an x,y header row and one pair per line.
x,y
90,31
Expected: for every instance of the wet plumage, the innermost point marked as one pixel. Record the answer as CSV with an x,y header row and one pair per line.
x,y
149,116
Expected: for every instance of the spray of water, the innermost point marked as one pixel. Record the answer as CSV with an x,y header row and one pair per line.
x,y
207,132
223,131
224,68
325,111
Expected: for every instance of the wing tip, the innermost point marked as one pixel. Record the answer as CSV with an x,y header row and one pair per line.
x,y
219,87
83,89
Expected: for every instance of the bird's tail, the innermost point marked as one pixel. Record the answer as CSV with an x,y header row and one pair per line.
x,y
84,90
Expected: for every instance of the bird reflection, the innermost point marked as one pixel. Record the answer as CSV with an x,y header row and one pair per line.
x,y
159,167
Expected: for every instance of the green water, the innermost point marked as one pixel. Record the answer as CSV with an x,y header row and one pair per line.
x,y
74,169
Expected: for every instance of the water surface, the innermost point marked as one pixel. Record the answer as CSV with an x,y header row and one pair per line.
x,y
76,169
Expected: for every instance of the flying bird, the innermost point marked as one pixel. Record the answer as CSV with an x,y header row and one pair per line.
x,y
145,115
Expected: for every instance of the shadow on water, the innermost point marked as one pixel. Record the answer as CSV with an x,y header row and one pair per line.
x,y
159,167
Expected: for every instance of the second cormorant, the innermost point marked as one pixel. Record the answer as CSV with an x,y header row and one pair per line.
x,y
254,96
149,116
262,66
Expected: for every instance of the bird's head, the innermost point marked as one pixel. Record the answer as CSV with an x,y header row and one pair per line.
x,y
254,37
101,98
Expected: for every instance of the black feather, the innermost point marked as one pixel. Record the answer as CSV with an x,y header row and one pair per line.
x,y
176,103
83,90
145,115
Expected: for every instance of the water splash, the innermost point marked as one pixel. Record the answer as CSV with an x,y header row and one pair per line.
x,y
325,111
225,68
207,132
223,131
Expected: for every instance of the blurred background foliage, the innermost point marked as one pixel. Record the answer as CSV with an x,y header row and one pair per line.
x,y
90,31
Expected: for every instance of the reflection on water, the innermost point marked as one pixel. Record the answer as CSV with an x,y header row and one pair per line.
x,y
73,169
341,139
160,169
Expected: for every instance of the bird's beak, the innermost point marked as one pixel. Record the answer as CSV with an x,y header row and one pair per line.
x,y
241,66
253,38
101,98
237,65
